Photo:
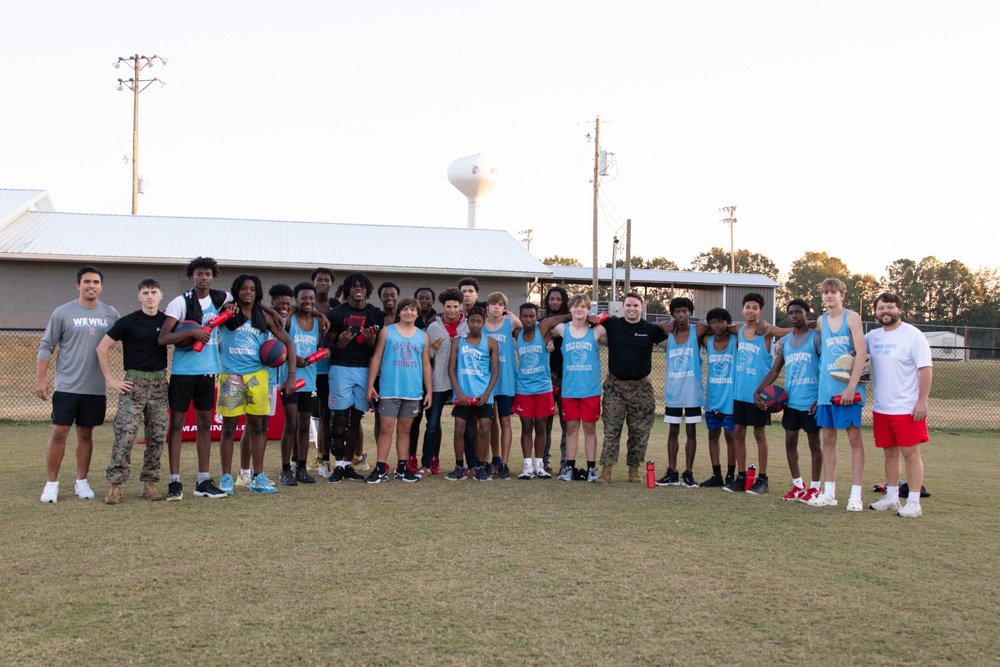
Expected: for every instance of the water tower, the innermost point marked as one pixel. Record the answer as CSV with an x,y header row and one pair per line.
x,y
473,176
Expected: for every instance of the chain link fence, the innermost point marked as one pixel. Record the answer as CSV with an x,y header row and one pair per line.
x,y
965,394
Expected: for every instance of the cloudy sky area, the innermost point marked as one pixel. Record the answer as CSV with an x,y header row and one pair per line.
x,y
865,129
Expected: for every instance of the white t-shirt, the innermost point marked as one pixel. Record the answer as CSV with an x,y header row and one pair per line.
x,y
177,308
896,357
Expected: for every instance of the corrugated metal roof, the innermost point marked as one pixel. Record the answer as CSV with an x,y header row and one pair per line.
x,y
666,278
92,237
15,202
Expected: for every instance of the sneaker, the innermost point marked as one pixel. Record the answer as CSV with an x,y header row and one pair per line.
x,y
351,473
855,505
527,473
503,472
886,503
303,477
822,500
482,475
423,472
287,478
729,479
712,482
592,475
175,492
208,489
435,466
566,474
83,490
227,484
261,484
910,511
324,470
269,481
244,479
361,463
543,472
377,477
795,493
458,474
809,495
670,478
50,494
412,465
738,485
406,476
687,480
759,488
336,476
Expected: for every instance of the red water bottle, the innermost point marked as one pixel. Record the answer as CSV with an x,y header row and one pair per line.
x,y
472,401
322,353
602,317
212,323
751,477
299,384
361,336
650,475
836,399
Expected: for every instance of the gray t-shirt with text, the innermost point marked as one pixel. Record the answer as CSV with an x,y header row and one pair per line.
x,y
77,331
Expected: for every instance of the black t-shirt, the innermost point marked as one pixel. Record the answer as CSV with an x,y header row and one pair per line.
x,y
630,347
138,332
345,318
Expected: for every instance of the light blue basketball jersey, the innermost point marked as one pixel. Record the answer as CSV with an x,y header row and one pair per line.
x,y
682,384
801,370
506,383
206,362
834,345
306,342
721,376
581,364
240,349
533,371
472,367
752,364
402,369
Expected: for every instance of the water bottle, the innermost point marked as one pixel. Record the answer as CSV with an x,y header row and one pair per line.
x,y
650,475
751,477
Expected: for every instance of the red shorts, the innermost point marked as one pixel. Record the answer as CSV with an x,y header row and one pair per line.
x,y
898,430
585,409
534,405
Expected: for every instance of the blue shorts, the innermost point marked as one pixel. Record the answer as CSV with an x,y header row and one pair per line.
x,y
504,405
715,420
347,388
838,416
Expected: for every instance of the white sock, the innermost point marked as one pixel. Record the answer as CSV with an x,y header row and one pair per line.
x,y
797,482
539,464
85,479
202,476
914,498
175,478
855,492
529,464
830,490
814,485
891,491
48,484
341,464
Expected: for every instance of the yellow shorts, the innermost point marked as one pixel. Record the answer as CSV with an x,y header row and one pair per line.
x,y
239,394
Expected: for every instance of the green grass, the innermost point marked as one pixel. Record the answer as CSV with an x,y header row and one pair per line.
x,y
519,573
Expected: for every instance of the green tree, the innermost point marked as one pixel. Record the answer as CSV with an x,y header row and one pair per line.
x,y
809,271
862,290
637,262
556,260
982,308
717,260
902,278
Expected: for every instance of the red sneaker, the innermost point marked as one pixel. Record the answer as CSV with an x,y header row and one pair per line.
x,y
412,465
435,466
795,494
808,495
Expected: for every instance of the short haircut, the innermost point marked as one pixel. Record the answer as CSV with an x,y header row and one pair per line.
x,y
202,263
476,310
468,281
303,286
890,297
799,302
257,285
719,314
321,271
279,290
450,294
528,306
634,295
753,296
149,283
387,283
417,292
88,269
681,302
407,302
357,277
565,300
497,297
833,285
579,298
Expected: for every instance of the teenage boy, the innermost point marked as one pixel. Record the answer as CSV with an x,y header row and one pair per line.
x,y
581,389
503,328
402,364
80,397
142,393
901,383
720,354
682,390
469,289
556,304
534,403
473,368
842,334
798,353
424,297
442,333
322,279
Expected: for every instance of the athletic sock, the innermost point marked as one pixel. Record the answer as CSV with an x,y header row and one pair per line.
x,y
855,492
814,485
797,482
591,464
400,465
326,460
891,491
202,476
175,478
528,465
830,490
717,471
730,471
458,462
341,464
538,463
762,476
571,463
284,467
914,498
382,468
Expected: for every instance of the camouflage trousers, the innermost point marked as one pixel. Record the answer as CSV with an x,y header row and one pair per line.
x,y
631,403
146,402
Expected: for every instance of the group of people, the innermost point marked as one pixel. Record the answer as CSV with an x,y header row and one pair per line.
x,y
406,361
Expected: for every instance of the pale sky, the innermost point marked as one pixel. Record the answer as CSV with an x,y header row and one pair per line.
x,y
865,129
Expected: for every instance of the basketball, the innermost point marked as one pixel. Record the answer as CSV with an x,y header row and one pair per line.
x,y
186,325
775,397
273,353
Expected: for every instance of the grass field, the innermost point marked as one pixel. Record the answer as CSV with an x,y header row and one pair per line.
x,y
508,573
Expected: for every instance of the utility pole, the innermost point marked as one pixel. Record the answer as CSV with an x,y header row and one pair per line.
x,y
628,257
731,221
526,239
597,166
134,84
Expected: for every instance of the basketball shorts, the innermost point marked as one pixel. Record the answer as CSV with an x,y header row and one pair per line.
x,y
243,394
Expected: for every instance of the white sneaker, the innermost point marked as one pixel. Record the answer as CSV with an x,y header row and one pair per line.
x,y
823,500
50,494
83,490
855,505
886,503
910,510
527,473
540,472
324,470
244,479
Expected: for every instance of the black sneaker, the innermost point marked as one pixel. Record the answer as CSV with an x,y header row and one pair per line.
x,y
759,487
175,492
737,485
405,476
351,473
503,472
729,479
713,481
287,478
669,479
302,475
377,477
208,489
687,479
336,476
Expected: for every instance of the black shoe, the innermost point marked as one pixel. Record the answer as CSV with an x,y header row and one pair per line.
x,y
579,474
377,477
351,473
713,481
302,475
737,485
759,487
405,476
175,491
208,489
336,476
729,478
287,478
669,479
687,479
503,472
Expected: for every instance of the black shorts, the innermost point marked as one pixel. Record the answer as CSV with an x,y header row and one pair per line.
x,y
186,388
322,394
306,401
796,420
675,415
747,414
467,412
87,410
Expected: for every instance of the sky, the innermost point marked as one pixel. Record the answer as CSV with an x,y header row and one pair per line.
x,y
868,130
